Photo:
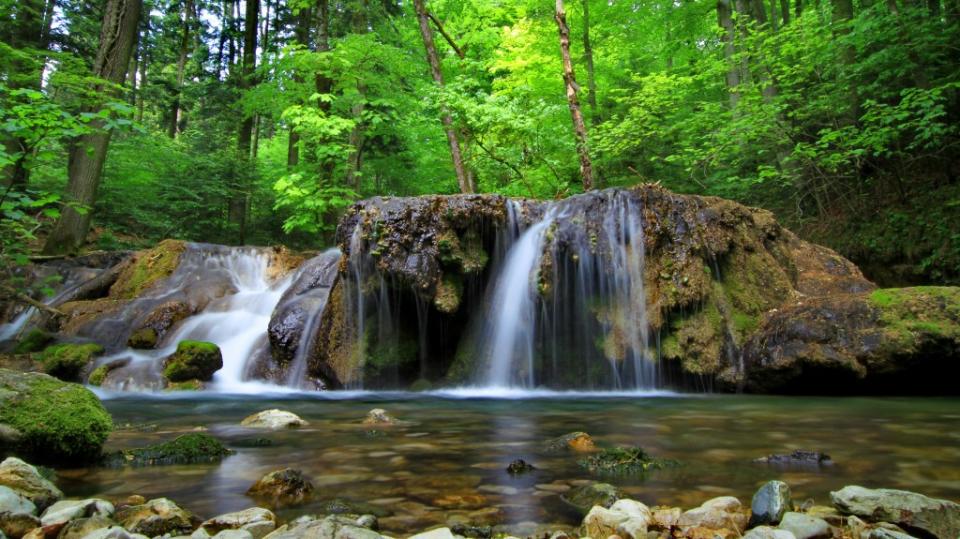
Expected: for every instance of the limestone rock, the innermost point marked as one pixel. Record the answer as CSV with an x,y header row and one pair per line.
x,y
766,532
332,527
627,518
806,527
439,533
67,510
13,502
26,481
911,511
723,513
156,517
769,503
16,525
273,419
256,521
82,527
114,532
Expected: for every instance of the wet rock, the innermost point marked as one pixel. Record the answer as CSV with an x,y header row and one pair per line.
x,y
190,448
273,419
68,361
114,532
718,514
306,296
343,506
282,487
806,527
885,533
378,416
16,525
234,534
333,527
12,502
584,498
769,503
369,522
67,510
580,442
193,360
82,527
467,530
627,518
257,521
890,341
27,482
519,466
156,517
798,458
911,511
623,460
439,533
100,373
158,323
34,340
766,532
665,518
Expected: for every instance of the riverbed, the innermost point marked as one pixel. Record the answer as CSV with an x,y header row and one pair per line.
x,y
446,462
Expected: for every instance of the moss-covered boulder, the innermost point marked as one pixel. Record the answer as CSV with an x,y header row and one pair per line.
x,y
47,420
34,340
69,361
99,375
904,340
193,360
190,448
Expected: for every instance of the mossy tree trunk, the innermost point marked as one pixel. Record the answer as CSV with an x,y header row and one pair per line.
x,y
118,37
570,81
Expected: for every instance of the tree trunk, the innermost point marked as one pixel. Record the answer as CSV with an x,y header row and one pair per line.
x,y
785,11
570,81
301,35
353,177
175,111
799,8
118,37
588,60
240,197
143,84
725,17
465,181
842,14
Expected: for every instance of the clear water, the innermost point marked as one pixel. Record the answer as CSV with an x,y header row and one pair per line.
x,y
448,463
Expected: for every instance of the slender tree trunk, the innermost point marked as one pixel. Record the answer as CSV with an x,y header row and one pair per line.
x,y
785,11
463,179
175,109
570,81
588,60
725,16
301,34
118,37
239,201
143,84
353,177
842,14
799,8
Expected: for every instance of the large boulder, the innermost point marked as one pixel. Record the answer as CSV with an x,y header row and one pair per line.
x,y
282,487
156,517
69,361
273,419
924,516
257,521
47,420
193,360
66,510
892,341
26,482
770,503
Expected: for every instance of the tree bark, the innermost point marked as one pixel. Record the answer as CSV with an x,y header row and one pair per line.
x,y
463,180
239,201
785,11
175,109
842,14
118,37
353,177
301,35
588,60
570,81
725,17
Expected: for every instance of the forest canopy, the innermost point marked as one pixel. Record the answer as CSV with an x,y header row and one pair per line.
x,y
124,122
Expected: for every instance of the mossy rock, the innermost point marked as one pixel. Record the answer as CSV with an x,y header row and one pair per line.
x,y
624,460
50,420
187,385
68,361
190,448
143,339
193,360
99,375
33,341
146,268
449,292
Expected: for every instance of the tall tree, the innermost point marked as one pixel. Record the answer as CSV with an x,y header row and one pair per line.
x,y
118,37
728,37
176,110
588,60
570,81
240,198
463,179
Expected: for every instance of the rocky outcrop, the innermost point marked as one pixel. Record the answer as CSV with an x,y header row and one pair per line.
x,y
924,516
47,420
890,340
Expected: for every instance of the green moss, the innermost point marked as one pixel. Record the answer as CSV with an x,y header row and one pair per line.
x,y
187,449
448,294
98,375
67,361
193,360
147,268
911,316
33,341
143,338
187,385
421,385
58,422
464,253
624,460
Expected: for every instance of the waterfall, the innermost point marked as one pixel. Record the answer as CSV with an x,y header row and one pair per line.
x,y
507,339
569,299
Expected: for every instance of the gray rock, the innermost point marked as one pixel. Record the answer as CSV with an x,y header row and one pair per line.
x,y
439,533
273,419
233,534
82,527
26,481
67,510
332,527
886,533
114,532
716,514
766,532
585,497
805,526
769,503
256,521
912,511
12,502
369,522
156,517
627,518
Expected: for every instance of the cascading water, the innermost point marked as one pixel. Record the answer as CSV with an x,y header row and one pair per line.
x,y
508,346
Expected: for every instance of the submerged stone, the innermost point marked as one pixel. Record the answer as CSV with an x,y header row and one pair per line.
x,y
186,449
580,442
273,419
519,467
282,487
583,498
623,460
